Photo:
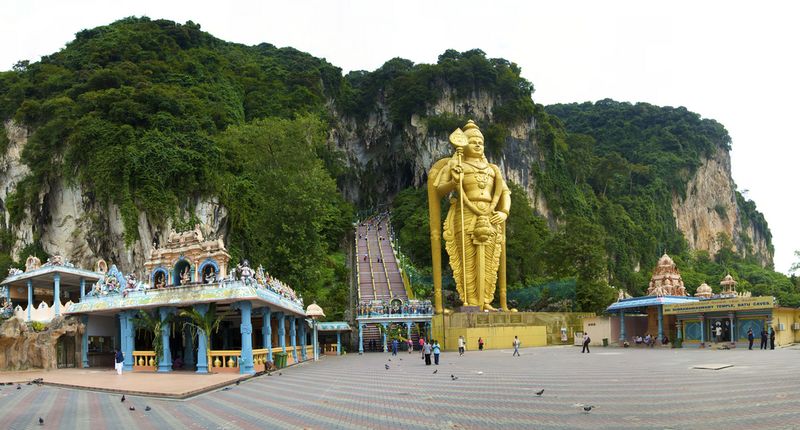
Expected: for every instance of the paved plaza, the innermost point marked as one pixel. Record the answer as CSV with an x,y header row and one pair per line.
x,y
631,388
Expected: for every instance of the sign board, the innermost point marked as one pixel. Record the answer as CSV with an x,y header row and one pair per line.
x,y
721,305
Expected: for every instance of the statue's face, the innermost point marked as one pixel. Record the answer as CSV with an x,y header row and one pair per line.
x,y
474,147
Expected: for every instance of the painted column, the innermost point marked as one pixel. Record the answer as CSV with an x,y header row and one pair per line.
x,y
360,338
127,337
85,341
188,347
733,329
338,343
293,336
57,293
165,364
678,327
83,288
385,329
246,329
660,322
202,342
769,327
702,330
266,331
281,330
316,341
303,352
621,326
30,298
408,329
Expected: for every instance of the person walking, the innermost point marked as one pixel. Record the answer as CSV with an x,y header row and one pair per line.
x,y
719,334
394,346
480,344
436,352
764,339
586,340
426,352
461,345
422,347
772,338
410,345
516,346
750,338
119,357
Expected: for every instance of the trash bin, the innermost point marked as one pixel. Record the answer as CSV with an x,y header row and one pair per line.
x,y
280,359
605,341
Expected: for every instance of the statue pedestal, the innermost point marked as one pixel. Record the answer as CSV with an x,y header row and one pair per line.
x,y
468,309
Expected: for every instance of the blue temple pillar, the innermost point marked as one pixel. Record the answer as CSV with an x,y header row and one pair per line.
x,y
165,363
385,329
83,288
266,331
281,330
202,343
85,341
702,331
338,343
679,328
660,322
732,330
126,338
360,338
30,298
621,327
408,329
57,293
246,329
293,336
188,347
303,352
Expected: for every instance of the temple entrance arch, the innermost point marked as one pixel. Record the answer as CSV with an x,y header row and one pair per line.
x,y
182,268
209,271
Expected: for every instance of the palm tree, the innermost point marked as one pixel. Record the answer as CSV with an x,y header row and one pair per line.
x,y
152,324
207,323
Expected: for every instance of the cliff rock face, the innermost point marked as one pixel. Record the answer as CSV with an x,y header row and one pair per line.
x,y
710,209
71,223
23,348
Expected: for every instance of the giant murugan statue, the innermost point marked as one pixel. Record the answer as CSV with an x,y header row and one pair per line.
x,y
474,231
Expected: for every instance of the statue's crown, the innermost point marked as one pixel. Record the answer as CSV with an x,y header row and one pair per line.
x,y
471,129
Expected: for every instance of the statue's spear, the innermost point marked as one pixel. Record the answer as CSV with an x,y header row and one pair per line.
x,y
459,140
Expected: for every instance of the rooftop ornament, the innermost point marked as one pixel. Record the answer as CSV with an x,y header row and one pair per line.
x,y
728,286
314,311
666,280
704,291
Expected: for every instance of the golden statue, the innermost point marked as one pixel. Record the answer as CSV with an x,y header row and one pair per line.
x,y
480,203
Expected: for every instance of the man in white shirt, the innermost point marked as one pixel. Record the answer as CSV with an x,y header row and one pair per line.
x,y
461,345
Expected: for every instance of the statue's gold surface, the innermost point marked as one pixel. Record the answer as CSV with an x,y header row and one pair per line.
x,y
474,230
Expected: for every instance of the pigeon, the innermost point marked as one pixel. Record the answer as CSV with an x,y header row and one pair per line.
x,y
122,399
269,373
453,377
237,382
390,359
401,359
386,366
588,408
29,383
226,388
131,408
539,393
280,373
41,421
147,408
19,387
436,371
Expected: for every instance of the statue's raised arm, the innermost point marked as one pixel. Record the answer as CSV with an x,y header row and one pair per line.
x,y
474,230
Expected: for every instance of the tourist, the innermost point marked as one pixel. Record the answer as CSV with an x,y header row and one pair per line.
x,y
638,340
480,344
421,346
426,352
586,340
718,331
394,346
118,359
763,339
436,352
516,346
771,338
461,345
750,338
648,340
410,345
665,339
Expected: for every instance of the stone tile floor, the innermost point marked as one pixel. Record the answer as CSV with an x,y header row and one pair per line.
x,y
631,389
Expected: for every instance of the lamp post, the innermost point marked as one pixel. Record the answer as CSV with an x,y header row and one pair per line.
x,y
314,311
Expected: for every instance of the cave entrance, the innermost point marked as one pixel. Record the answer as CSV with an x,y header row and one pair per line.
x,y
65,352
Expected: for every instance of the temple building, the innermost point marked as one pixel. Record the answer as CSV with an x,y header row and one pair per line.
x,y
252,317
668,313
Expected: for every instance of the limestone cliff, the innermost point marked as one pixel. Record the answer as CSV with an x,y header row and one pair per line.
x,y
709,213
23,348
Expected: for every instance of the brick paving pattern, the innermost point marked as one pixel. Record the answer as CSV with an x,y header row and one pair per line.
x,y
631,389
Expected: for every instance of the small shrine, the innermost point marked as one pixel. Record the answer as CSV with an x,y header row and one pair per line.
x,y
666,279
728,286
704,291
187,258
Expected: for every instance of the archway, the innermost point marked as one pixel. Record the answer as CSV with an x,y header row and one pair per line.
x,y
182,268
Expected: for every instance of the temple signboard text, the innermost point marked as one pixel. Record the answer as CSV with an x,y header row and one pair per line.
x,y
721,305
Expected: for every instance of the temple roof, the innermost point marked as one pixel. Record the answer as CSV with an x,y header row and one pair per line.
x,y
640,302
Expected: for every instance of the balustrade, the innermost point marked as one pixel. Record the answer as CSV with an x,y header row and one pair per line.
x,y
144,361
224,361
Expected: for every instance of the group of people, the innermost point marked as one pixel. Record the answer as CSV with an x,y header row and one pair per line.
x,y
765,337
429,349
408,307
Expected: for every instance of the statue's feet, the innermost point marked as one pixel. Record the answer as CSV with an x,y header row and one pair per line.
x,y
488,307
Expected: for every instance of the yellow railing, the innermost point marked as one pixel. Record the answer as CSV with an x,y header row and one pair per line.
x,y
144,360
310,352
260,356
224,360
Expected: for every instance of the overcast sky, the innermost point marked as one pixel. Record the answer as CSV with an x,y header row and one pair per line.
x,y
735,62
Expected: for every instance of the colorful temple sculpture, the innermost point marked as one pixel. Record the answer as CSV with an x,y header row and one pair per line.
x,y
191,311
667,313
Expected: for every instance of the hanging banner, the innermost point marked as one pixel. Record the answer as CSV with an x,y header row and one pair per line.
x,y
721,305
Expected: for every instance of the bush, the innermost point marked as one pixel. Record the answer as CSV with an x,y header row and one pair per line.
x,y
37,326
